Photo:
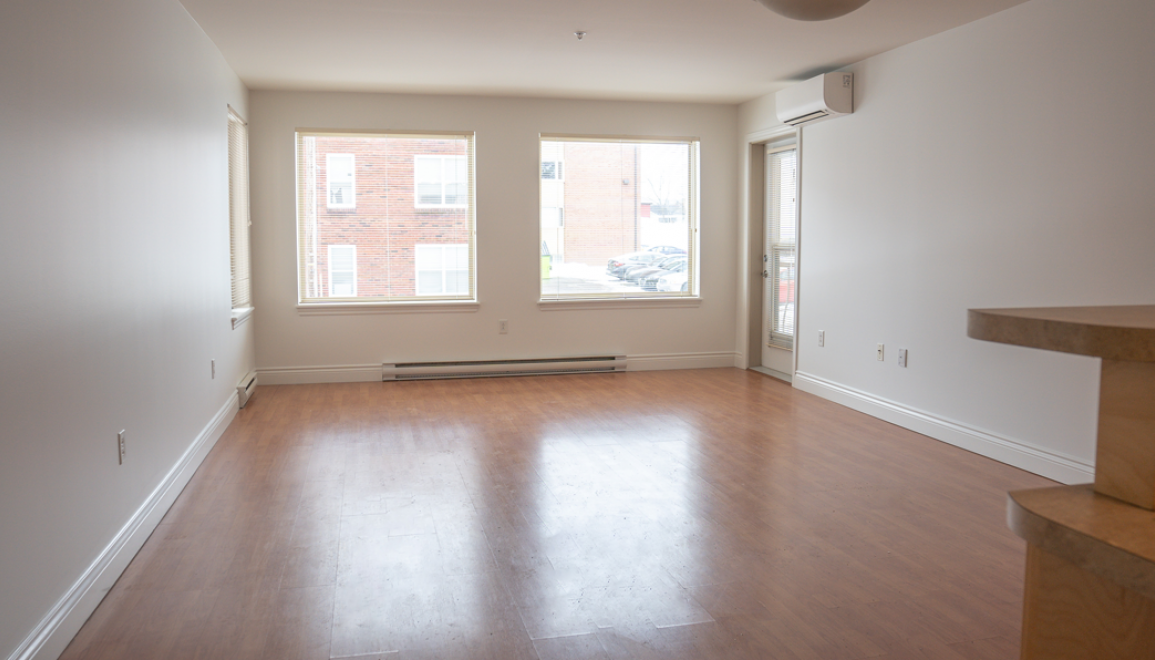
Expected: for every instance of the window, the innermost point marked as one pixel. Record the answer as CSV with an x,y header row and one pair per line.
x,y
339,170
239,214
442,269
552,170
781,240
389,247
342,271
440,180
626,205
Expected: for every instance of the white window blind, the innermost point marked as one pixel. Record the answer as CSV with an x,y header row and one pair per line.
x,y
367,252
781,241
239,262
608,203
340,171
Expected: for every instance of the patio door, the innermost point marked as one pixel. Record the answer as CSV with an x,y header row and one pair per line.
x,y
780,256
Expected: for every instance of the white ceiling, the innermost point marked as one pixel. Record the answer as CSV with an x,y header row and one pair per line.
x,y
724,51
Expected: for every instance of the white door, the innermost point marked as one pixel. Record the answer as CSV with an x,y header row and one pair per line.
x,y
780,256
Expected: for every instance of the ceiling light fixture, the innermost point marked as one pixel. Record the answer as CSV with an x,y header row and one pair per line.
x,y
813,10
580,35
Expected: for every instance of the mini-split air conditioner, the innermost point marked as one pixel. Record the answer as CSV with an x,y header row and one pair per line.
x,y
828,95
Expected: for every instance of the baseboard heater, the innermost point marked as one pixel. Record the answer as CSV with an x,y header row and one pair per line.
x,y
246,388
499,368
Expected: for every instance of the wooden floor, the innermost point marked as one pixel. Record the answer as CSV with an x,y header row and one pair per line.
x,y
678,514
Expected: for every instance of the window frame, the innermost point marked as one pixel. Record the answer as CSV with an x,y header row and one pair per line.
x,y
603,300
417,204
308,204
352,204
240,218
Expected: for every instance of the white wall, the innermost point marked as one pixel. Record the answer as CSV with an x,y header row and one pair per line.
x,y
1007,162
114,190
291,347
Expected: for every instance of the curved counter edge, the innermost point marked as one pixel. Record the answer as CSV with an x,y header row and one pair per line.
x,y
1097,533
1124,333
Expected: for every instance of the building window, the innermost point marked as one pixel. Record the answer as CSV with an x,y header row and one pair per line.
x,y
368,252
239,212
626,214
552,170
342,271
781,241
442,269
339,173
440,181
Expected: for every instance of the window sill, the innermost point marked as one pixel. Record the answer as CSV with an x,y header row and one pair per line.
x,y
616,303
338,309
241,315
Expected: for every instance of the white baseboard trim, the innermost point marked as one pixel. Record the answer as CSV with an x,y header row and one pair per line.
x,y
367,373
336,373
774,373
49,639
1053,465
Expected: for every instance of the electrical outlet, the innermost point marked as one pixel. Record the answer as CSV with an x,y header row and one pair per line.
x,y
880,352
902,357
821,338
120,448
213,364
503,327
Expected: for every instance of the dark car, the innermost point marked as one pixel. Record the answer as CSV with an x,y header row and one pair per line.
x,y
639,273
618,265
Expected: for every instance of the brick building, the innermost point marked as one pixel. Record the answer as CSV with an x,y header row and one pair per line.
x,y
384,216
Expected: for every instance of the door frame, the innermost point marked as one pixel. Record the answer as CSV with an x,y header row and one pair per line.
x,y
752,245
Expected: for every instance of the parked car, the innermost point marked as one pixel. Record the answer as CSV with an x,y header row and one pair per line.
x,y
637,274
618,265
650,282
667,249
673,282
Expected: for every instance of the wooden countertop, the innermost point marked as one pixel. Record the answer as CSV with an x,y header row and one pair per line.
x,y
1124,333
1097,533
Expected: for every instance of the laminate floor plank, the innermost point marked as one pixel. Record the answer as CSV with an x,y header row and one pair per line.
x,y
634,516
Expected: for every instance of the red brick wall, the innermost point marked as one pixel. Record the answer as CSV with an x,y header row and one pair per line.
x,y
601,201
385,225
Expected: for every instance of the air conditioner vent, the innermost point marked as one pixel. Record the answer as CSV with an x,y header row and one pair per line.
x,y
828,95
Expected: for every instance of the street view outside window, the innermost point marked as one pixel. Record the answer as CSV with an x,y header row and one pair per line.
x,y
618,218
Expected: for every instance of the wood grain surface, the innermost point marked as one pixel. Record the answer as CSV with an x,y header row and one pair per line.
x,y
1122,332
1071,614
1099,534
679,514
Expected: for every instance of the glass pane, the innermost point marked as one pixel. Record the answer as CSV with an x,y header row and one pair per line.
x,y
395,212
342,285
456,281
457,256
622,206
427,169
429,282
783,274
429,257
429,193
